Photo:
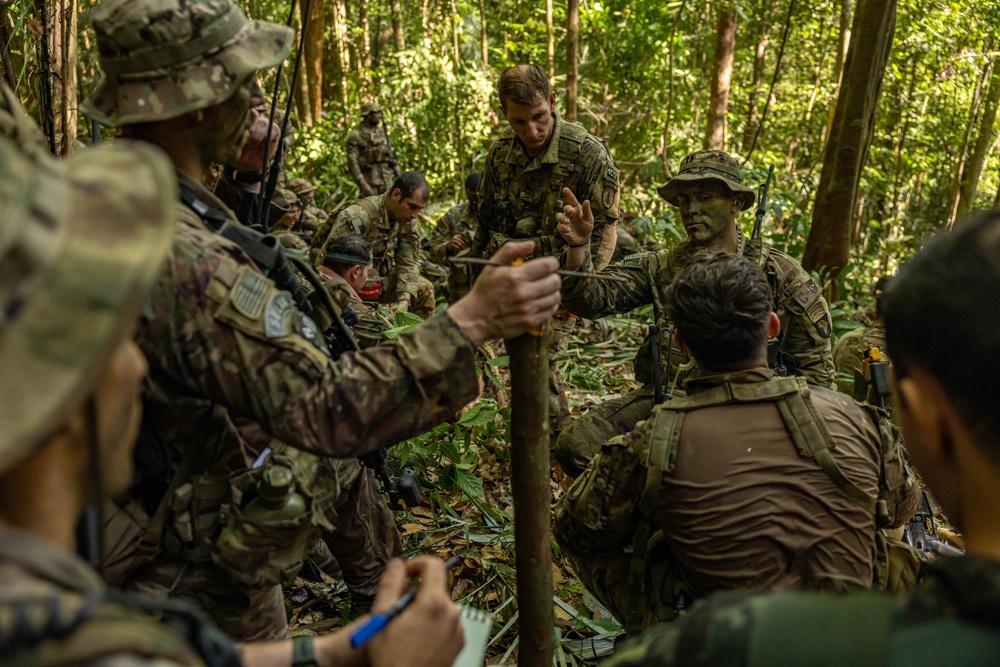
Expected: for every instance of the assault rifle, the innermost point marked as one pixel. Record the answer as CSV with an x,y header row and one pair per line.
x,y
654,351
403,490
762,191
921,532
871,380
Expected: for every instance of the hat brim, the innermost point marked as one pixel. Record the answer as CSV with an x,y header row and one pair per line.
x,y
112,228
669,190
211,79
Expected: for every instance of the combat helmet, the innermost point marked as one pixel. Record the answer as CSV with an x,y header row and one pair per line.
x,y
370,107
708,164
81,243
301,186
165,58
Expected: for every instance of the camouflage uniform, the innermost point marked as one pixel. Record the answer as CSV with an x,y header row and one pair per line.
x,y
371,323
950,620
848,352
370,156
458,220
686,503
518,199
312,215
395,248
222,340
806,323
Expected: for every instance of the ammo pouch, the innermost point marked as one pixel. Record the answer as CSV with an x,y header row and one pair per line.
x,y
898,566
260,552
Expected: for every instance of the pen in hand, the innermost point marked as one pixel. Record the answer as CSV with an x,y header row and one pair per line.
x,y
378,621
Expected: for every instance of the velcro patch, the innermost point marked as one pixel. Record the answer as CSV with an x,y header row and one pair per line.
x,y
807,293
823,327
249,291
612,173
608,196
276,312
358,226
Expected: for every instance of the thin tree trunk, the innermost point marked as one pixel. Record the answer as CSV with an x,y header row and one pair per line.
x,y
572,48
550,42
753,118
312,57
9,75
970,179
846,8
847,146
68,115
722,74
774,79
365,46
397,25
453,22
664,143
531,486
956,192
484,44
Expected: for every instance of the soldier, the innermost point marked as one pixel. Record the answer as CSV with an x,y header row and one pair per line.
x,y
82,241
345,268
453,234
750,482
525,172
709,192
370,157
284,218
389,222
849,348
224,341
946,405
312,215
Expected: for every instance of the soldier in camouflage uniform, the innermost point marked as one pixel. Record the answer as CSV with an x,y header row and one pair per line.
x,y
389,222
453,235
709,192
849,349
751,481
287,203
526,170
83,240
312,215
946,405
224,341
345,268
370,157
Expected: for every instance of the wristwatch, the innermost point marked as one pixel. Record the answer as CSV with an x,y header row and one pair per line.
x,y
245,177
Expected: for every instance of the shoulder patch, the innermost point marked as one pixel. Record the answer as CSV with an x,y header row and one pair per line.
x,y
276,313
611,173
249,291
806,294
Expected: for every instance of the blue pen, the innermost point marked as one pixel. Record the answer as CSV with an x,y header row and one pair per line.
x,y
377,622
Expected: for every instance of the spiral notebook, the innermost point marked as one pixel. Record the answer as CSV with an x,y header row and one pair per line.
x,y
477,625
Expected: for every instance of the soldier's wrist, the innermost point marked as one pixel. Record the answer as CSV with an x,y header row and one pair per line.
x,y
581,244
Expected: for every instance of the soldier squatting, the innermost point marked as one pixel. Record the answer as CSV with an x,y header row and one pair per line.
x,y
223,389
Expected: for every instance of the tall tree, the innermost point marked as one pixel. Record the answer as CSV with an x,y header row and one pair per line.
x,y
753,117
972,171
722,74
572,47
364,47
550,42
397,25
484,44
850,137
844,42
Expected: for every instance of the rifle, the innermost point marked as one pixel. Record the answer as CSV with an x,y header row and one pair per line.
x,y
871,380
654,350
403,490
388,142
762,191
921,533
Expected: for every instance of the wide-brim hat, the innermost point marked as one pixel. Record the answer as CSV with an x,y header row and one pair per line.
x,y
708,165
301,186
163,59
370,107
81,241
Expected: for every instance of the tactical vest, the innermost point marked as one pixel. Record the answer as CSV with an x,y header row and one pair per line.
x,y
805,425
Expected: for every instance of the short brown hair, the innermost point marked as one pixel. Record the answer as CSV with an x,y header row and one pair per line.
x,y
721,305
523,84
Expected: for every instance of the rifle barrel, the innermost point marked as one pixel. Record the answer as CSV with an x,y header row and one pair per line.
x,y
561,272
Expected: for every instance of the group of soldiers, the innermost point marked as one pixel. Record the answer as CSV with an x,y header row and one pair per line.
x,y
185,403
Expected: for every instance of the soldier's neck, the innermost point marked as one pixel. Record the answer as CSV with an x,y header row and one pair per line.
x,y
184,153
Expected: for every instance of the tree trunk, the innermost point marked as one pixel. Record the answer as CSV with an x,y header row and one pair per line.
x,y
550,42
531,486
397,25
956,192
312,58
572,48
970,179
722,74
753,117
846,8
9,75
68,115
365,46
484,44
453,20
847,146
664,142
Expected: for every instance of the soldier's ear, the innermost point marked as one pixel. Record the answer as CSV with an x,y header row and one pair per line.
x,y
552,99
773,326
737,202
679,340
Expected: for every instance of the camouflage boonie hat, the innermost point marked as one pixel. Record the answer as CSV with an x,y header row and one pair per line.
x,y
709,164
370,107
301,186
165,58
80,244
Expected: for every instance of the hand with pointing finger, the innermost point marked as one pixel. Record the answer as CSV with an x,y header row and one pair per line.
x,y
575,222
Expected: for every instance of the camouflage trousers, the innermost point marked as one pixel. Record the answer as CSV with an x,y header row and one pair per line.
x,y
365,537
581,441
423,302
637,608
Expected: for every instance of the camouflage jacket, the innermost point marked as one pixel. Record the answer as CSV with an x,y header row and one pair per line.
x,y
953,618
371,323
520,196
743,503
290,240
395,246
53,611
370,157
806,323
848,350
457,220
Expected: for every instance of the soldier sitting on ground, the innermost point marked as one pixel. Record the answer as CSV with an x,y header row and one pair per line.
x,y
312,215
389,222
453,235
370,157
708,191
285,214
751,481
942,300
82,242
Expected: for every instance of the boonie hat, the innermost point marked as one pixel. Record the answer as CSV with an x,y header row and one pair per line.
x,y
708,164
165,58
370,107
81,241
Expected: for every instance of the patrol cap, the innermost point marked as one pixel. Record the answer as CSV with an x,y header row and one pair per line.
x,y
370,107
708,165
165,58
301,186
80,244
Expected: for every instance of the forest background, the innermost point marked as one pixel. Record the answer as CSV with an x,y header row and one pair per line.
x,y
878,115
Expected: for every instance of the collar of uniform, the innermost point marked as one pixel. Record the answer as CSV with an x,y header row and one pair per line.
x,y
47,561
701,381
549,156
382,199
204,194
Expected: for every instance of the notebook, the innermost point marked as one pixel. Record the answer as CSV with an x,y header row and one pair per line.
x,y
477,625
